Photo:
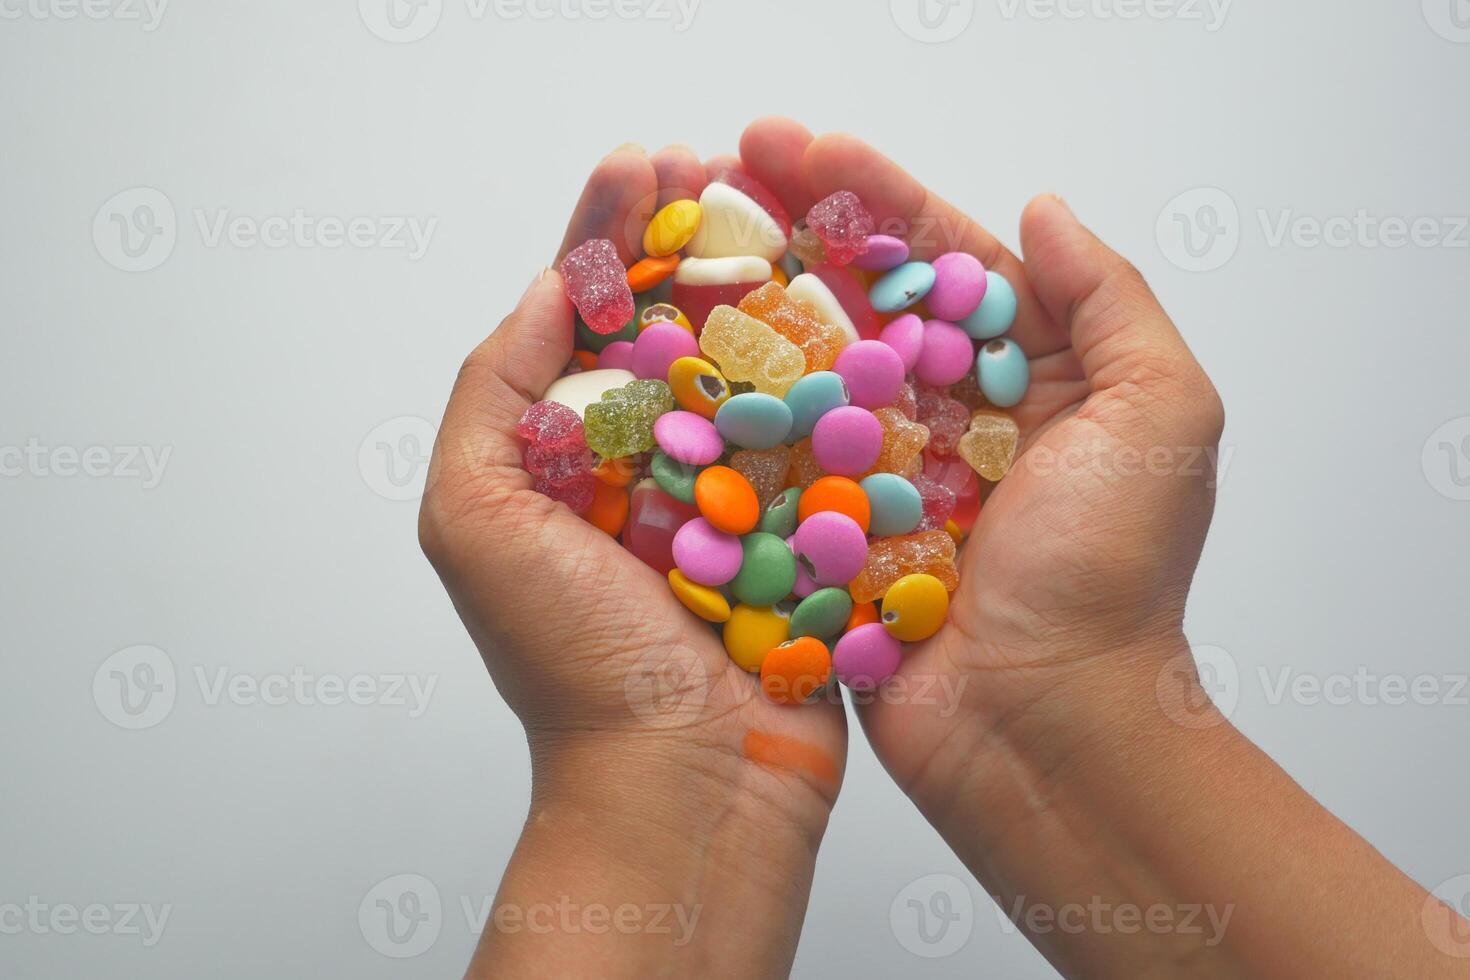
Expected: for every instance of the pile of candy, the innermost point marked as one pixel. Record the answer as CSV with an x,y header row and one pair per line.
x,y
787,421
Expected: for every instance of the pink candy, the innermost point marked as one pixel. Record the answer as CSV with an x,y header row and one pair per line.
x,y
556,454
597,285
959,286
654,518
846,441
830,547
843,225
946,419
948,354
884,252
866,657
618,354
873,372
658,346
688,438
705,555
906,336
938,500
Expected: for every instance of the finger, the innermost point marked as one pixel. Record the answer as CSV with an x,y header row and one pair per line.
x,y
680,174
724,161
616,204
771,149
903,207
1124,340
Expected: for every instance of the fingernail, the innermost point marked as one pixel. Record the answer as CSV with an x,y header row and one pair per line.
x,y
534,283
1063,202
632,148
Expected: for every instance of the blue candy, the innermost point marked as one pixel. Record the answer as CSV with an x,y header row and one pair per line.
x,y
1002,372
812,397
997,311
754,420
895,503
902,287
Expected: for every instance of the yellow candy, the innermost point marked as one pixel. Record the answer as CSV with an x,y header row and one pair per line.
x,y
754,631
705,602
698,386
660,312
778,276
671,229
914,608
954,531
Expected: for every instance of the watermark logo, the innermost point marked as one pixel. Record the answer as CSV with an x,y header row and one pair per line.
x,y
1203,704
394,458
136,687
401,916
932,21
666,691
1446,459
147,13
1446,916
1199,230
1099,917
933,916
136,230
401,21
1450,19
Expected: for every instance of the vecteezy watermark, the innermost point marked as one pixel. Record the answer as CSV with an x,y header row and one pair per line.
x,y
403,915
1446,459
1209,13
39,461
932,21
137,688
1364,686
1450,19
1099,917
933,916
1445,916
1109,461
136,230
1199,688
146,13
37,917
665,690
1201,229
406,21
394,458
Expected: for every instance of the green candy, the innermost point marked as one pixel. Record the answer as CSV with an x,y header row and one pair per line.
x,y
621,424
780,517
767,570
595,342
676,478
822,614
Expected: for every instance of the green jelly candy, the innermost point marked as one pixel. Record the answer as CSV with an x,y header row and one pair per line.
x,y
676,478
822,614
767,570
780,517
595,342
621,424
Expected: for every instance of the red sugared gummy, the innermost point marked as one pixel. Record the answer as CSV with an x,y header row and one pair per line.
x,y
576,493
955,473
549,424
558,464
946,419
757,192
939,501
843,225
597,285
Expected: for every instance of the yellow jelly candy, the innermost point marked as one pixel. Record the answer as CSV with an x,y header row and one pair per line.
x,y
671,229
914,608
798,322
890,559
659,312
705,602
754,631
990,445
698,386
748,350
903,441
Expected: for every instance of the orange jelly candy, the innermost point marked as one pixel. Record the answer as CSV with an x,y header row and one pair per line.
x,y
798,322
726,499
609,509
795,670
839,494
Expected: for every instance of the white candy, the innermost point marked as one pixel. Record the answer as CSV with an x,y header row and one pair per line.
x,y
814,291
733,224
577,391
723,271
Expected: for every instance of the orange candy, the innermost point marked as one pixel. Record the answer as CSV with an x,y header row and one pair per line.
x,y
609,509
795,670
863,613
585,359
835,493
647,273
616,472
726,499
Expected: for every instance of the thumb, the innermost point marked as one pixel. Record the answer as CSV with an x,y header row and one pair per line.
x,y
1127,344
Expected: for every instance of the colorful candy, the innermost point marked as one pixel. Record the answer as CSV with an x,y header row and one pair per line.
x,y
597,285
748,350
621,422
1003,372
914,608
794,671
843,225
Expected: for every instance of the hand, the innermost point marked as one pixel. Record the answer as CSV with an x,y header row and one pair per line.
x,y
723,792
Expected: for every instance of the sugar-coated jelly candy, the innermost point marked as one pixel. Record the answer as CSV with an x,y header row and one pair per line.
x,y
821,614
748,350
938,502
945,357
890,559
794,671
675,478
663,313
946,419
903,441
914,608
705,602
813,396
996,312
809,288
902,287
754,420
884,252
766,469
807,247
907,402
847,441
837,494
733,223
967,392
959,286
705,554
550,423
558,464
955,473
990,445
779,515
830,547
767,570
805,470
688,438
647,273
1003,372
658,347
671,228
727,500
621,423
894,503
906,336
754,631
798,322
866,656
699,387
873,372
576,493
597,284
843,225
654,518
577,391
